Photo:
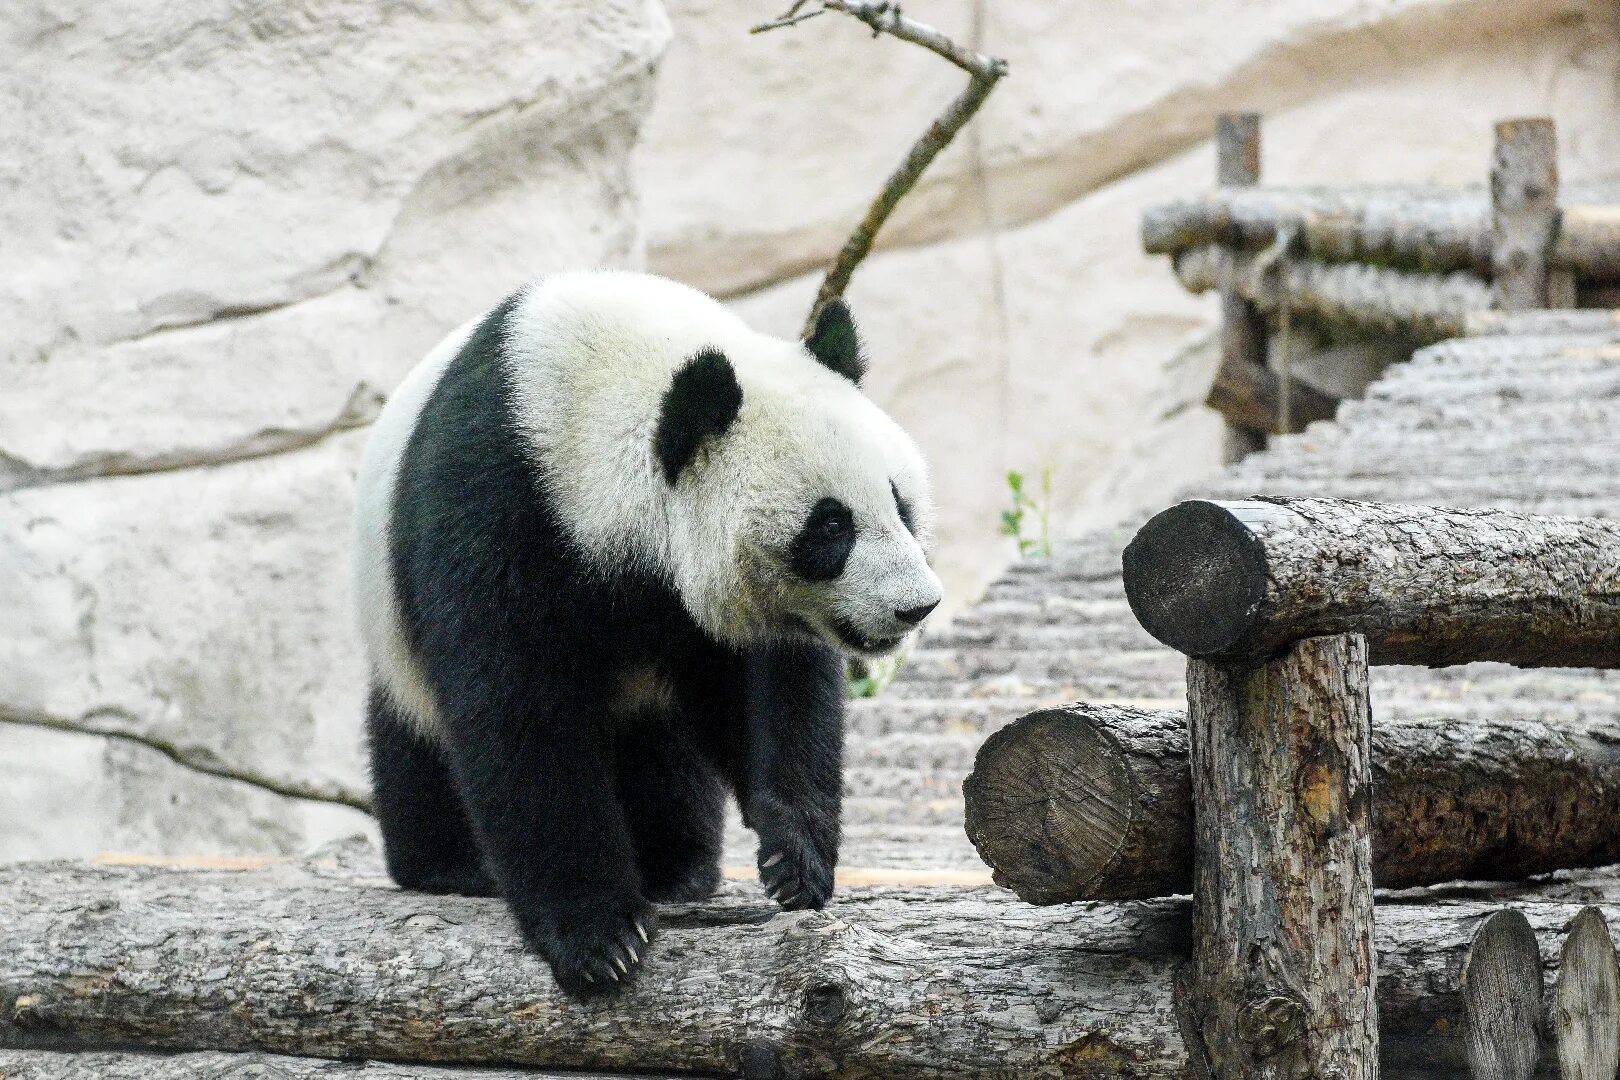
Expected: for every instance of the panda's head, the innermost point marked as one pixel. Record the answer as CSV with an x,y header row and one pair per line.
x,y
795,506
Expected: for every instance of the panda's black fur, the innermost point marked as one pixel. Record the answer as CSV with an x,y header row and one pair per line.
x,y
581,818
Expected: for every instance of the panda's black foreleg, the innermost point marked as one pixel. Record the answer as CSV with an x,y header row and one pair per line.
x,y
793,789
675,801
427,842
534,761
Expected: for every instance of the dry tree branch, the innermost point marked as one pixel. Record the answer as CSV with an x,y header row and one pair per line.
x,y
983,73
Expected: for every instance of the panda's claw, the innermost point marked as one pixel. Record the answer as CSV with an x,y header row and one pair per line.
x,y
773,860
642,930
619,963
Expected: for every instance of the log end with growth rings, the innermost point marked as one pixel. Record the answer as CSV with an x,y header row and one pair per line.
x,y
1195,576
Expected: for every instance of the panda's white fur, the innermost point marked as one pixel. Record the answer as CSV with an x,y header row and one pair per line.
x,y
588,359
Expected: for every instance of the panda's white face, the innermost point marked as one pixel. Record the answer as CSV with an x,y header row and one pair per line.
x,y
835,536
751,472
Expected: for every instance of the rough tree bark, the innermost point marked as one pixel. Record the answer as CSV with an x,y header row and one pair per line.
x,y
1094,802
885,983
209,1065
1237,581
1434,231
1420,307
1281,981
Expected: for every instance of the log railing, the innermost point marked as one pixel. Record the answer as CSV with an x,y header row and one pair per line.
x,y
1416,265
1280,805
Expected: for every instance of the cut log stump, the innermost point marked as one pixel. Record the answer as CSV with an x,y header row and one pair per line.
x,y
1502,992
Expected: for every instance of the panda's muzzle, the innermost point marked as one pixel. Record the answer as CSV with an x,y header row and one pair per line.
x,y
861,643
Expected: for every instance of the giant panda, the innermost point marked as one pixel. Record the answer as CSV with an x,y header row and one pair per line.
x,y
612,549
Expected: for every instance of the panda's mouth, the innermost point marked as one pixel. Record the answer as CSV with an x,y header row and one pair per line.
x,y
859,642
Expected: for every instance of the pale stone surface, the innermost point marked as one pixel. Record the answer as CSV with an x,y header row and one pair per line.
x,y
239,226
234,229
763,150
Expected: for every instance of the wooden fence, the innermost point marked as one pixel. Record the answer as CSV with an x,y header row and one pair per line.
x,y
1265,800
1414,264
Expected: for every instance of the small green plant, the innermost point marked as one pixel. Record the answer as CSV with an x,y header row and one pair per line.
x,y
1013,521
867,678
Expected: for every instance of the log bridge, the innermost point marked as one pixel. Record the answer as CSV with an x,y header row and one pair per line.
x,y
1277,803
1297,266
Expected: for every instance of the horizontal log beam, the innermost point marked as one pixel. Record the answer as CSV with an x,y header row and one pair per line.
x,y
211,1065
1094,802
1238,581
1416,306
885,983
1433,231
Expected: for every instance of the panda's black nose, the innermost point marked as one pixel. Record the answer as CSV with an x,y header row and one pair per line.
x,y
913,616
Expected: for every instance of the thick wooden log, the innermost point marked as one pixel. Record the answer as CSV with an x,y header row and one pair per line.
x,y
1418,307
1502,991
1237,581
1586,1001
1589,242
1524,211
1429,230
1281,981
208,1065
1094,802
319,962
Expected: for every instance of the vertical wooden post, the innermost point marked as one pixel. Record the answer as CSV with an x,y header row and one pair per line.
x,y
1243,328
1586,1001
1524,215
1281,981
1501,992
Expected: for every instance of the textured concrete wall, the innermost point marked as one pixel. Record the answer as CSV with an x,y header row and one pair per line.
x,y
230,230
1013,322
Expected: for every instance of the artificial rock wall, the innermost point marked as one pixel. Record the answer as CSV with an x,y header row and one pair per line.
x,y
1012,319
231,229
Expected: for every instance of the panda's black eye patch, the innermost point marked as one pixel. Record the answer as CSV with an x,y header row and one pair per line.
x,y
823,545
905,510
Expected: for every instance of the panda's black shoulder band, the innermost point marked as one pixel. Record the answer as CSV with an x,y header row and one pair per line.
x,y
701,402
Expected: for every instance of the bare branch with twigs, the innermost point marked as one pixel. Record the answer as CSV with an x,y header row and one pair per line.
x,y
983,71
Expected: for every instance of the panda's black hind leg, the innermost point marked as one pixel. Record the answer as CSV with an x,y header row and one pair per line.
x,y
675,803
427,842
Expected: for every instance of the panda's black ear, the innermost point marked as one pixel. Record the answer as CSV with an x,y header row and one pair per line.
x,y
701,402
835,343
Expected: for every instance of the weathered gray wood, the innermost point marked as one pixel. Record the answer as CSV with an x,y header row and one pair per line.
x,y
324,960
1085,802
1094,802
1415,306
1501,989
1524,211
1432,230
1243,329
207,1065
1282,974
1238,580
1586,1001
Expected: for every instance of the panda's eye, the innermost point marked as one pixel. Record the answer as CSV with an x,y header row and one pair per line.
x,y
824,542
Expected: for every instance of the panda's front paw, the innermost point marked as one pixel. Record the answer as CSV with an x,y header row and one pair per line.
x,y
598,947
795,864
